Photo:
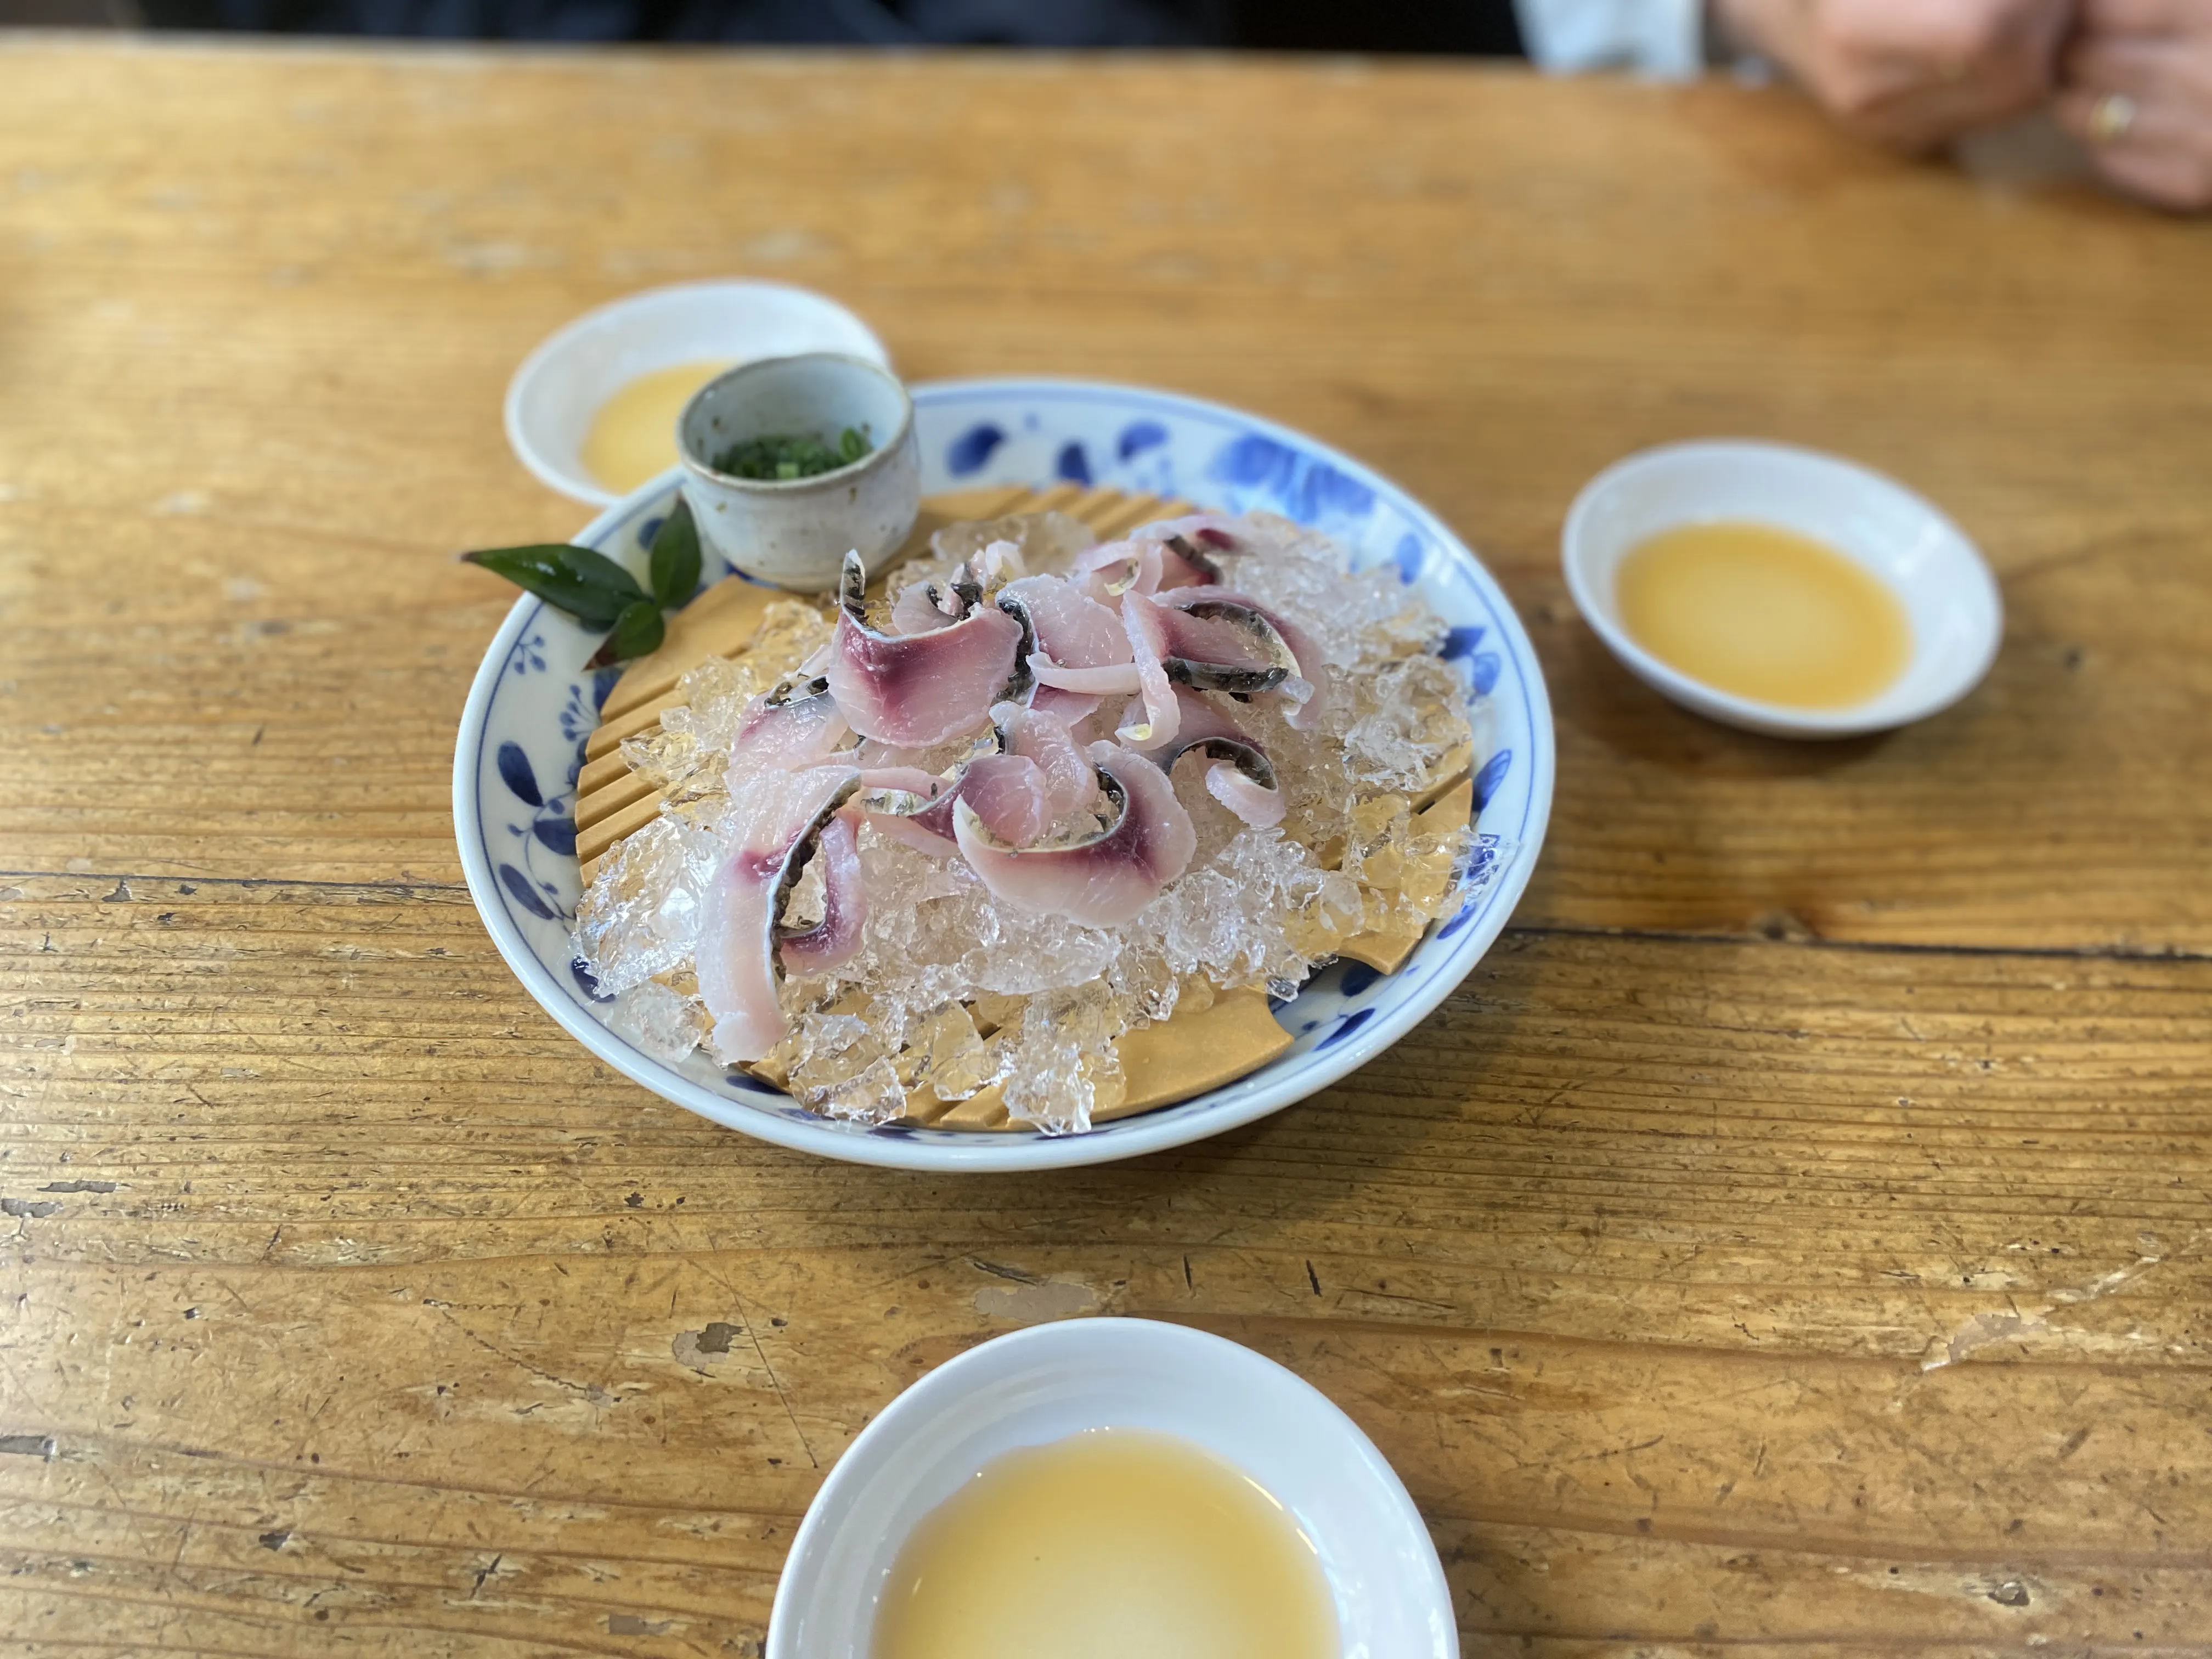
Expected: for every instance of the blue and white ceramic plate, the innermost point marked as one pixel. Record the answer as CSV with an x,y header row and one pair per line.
x,y
534,704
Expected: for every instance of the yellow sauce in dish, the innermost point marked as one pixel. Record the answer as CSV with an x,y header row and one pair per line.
x,y
1107,1545
1764,613
633,434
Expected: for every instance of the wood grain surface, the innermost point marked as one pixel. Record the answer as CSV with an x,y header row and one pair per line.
x,y
1792,1241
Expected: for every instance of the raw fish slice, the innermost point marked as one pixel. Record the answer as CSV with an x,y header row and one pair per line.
x,y
1107,878
1075,631
773,816
796,725
1107,680
1261,808
899,780
1218,616
918,690
834,939
873,756
1199,720
1313,668
1070,781
920,609
1105,573
1008,793
1074,709
1246,784
906,828
1069,643
1206,535
1222,642
1146,624
1188,549
1173,553
896,797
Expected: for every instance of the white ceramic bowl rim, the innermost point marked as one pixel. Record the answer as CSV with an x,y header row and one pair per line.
x,y
1886,711
519,409
1438,964
877,456
885,1459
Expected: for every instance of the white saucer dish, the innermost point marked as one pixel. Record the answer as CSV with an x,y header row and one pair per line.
x,y
1948,591
560,386
1052,1380
535,703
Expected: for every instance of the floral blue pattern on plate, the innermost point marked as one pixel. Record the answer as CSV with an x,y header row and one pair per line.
x,y
534,704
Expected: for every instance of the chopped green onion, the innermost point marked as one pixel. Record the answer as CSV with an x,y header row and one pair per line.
x,y
785,456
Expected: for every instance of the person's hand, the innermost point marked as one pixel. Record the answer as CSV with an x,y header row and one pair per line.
x,y
2139,89
1910,73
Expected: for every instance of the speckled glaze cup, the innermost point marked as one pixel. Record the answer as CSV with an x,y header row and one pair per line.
x,y
795,532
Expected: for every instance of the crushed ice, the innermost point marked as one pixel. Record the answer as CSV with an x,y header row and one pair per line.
x,y
954,992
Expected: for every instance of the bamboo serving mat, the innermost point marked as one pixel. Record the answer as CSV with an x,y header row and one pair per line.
x,y
1186,1055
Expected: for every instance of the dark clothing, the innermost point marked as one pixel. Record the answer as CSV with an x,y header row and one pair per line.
x,y
1447,26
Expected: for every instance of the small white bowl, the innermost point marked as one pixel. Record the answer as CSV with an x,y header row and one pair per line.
x,y
794,533
1946,587
560,386
1052,1380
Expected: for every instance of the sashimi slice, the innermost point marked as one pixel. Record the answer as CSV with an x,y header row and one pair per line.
x,y
1063,624
1146,625
1106,880
796,725
1246,784
774,815
836,938
1038,734
918,690
1009,792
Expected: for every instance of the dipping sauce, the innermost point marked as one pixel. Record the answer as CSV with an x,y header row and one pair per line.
x,y
1764,613
1107,1545
633,435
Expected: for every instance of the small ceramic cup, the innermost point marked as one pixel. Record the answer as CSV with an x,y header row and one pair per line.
x,y
1043,1384
1948,593
795,532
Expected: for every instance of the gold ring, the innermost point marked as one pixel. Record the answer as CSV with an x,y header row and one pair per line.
x,y
2111,117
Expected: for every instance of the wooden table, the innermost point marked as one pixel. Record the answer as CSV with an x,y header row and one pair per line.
x,y
1791,1240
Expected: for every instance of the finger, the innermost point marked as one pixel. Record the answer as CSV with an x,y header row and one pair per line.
x,y
1931,116
1857,53
2077,108
2141,67
2157,19
2157,158
2170,177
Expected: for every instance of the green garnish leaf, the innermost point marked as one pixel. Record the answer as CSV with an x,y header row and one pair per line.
x,y
851,445
637,630
590,586
675,556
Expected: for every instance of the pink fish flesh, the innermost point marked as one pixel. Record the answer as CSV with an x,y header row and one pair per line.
x,y
1146,625
1106,880
918,690
1009,792
772,815
797,724
1250,788
1071,783
836,938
